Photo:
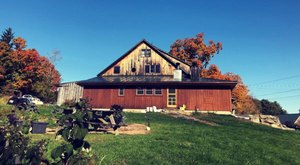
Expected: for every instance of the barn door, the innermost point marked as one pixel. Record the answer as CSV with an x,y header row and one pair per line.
x,y
171,99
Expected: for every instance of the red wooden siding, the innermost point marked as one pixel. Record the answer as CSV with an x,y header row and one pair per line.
x,y
203,99
104,98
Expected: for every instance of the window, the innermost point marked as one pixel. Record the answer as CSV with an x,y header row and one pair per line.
x,y
158,91
121,92
152,68
117,70
146,53
139,91
149,91
147,68
157,68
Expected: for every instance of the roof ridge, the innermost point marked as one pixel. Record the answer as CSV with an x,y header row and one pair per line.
x,y
157,50
164,52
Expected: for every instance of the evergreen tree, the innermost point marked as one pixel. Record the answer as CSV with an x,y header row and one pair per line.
x,y
271,108
7,36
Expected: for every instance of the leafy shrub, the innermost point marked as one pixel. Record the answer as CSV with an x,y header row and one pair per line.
x,y
69,103
74,129
15,147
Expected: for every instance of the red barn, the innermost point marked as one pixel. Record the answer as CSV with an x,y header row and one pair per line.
x,y
146,76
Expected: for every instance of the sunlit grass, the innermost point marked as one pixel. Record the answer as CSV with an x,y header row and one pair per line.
x,y
179,141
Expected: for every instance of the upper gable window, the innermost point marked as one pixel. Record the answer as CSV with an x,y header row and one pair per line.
x,y
146,53
147,68
117,70
157,68
152,68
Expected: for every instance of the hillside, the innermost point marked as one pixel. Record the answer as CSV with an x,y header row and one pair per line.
x,y
180,141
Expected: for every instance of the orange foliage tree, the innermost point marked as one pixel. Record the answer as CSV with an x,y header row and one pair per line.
x,y
243,102
26,70
195,50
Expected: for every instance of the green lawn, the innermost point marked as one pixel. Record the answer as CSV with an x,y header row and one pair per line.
x,y
45,114
179,141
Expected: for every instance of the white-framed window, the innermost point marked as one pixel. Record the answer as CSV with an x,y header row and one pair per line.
x,y
121,92
149,91
139,91
146,53
157,91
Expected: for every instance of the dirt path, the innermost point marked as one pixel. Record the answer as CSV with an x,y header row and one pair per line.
x,y
186,117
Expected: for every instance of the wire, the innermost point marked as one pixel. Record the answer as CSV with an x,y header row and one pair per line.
x,y
266,82
292,90
285,97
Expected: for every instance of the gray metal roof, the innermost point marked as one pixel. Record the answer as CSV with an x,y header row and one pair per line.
x,y
150,80
288,118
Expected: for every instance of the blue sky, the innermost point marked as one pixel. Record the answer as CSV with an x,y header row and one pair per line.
x,y
261,38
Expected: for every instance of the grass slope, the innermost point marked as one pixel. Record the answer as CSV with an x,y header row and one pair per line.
x,y
179,141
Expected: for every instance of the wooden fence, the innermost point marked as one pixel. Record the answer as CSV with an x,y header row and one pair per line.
x,y
69,92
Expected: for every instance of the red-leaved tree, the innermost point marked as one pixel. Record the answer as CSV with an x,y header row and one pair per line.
x,y
195,50
26,70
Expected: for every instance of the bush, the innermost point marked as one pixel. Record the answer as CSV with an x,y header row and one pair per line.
x,y
16,147
69,103
74,129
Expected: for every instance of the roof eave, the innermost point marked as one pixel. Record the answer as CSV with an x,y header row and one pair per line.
x,y
229,85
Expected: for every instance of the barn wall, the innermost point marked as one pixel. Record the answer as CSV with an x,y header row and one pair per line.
x,y
205,99
68,92
202,99
104,98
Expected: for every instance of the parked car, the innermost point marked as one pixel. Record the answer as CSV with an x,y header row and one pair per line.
x,y
35,100
29,97
22,103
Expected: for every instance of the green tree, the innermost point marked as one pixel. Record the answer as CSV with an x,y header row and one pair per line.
x,y
7,36
270,108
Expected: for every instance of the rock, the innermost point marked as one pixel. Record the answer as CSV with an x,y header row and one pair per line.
x,y
255,118
276,125
269,120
